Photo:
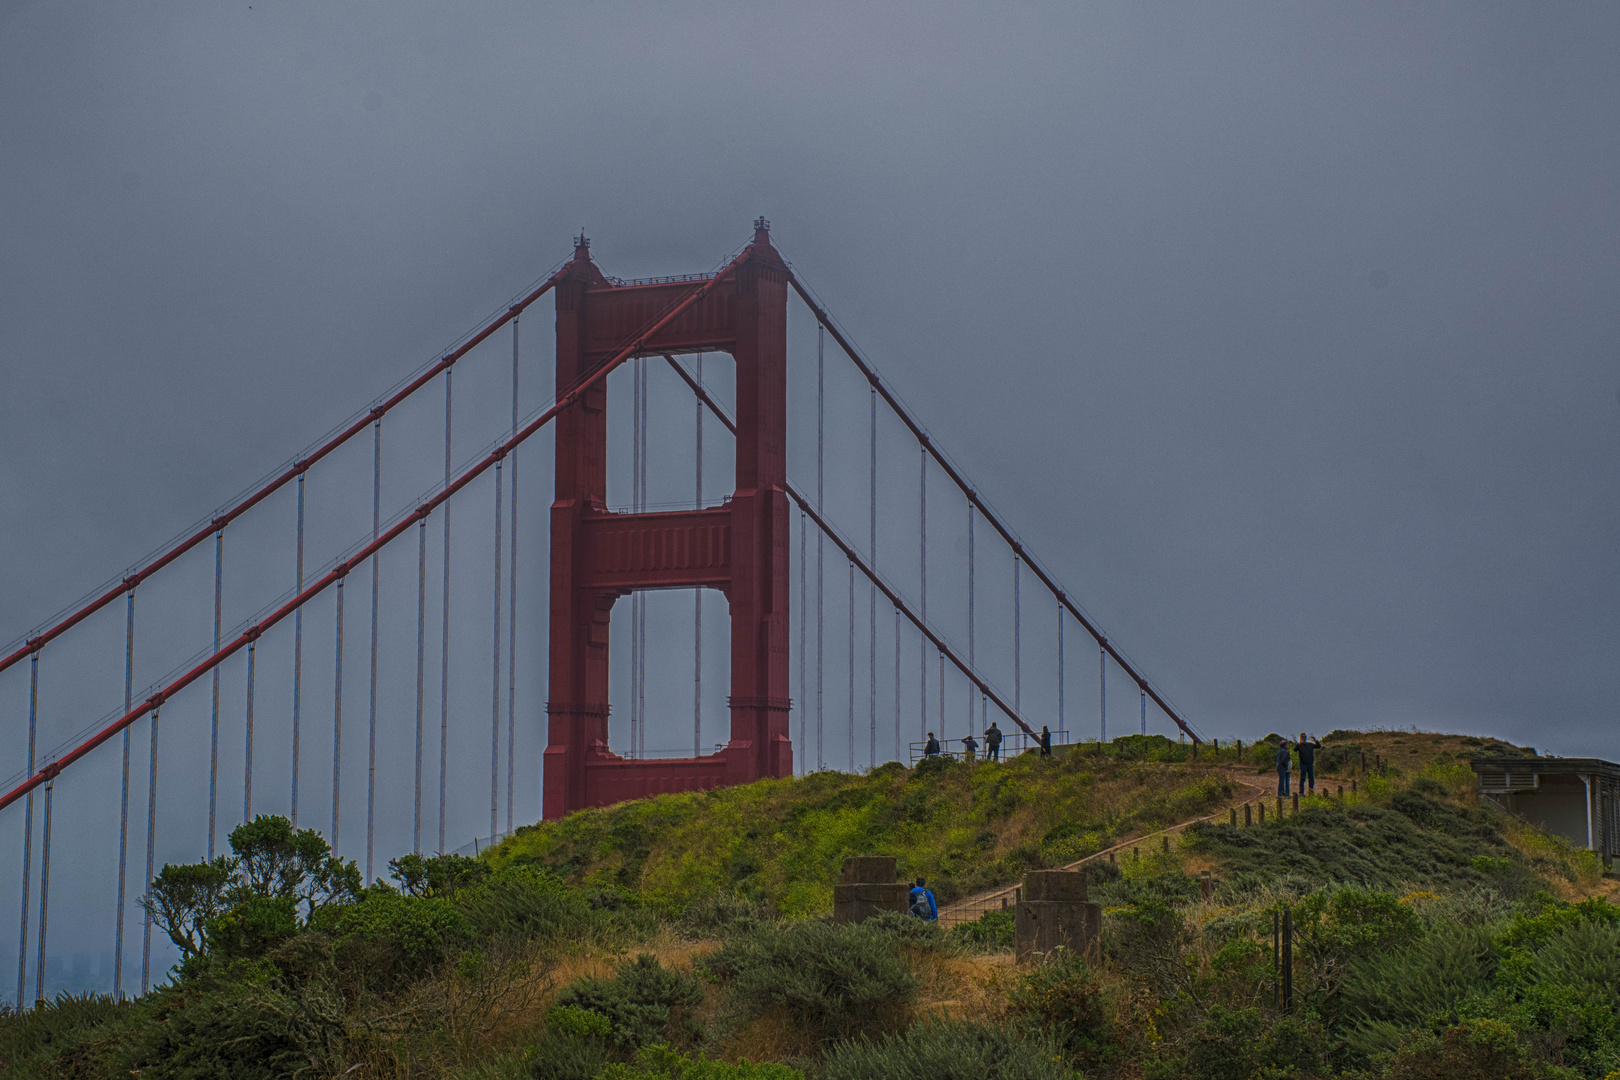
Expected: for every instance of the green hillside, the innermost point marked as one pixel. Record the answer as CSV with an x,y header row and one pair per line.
x,y
682,938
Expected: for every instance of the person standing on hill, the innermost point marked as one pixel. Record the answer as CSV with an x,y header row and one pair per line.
x,y
1307,762
1284,764
1046,742
922,901
970,747
992,741
931,749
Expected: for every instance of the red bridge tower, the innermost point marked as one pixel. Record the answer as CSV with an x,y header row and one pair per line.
x,y
740,548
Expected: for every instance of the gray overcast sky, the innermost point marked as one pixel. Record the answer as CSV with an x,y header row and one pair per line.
x,y
1287,335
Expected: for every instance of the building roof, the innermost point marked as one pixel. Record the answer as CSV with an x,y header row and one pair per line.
x,y
1546,765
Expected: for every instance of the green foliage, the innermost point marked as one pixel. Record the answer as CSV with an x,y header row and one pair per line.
x,y
940,1050
57,1031
436,875
783,841
183,898
992,930
417,930
836,980
1413,839
525,902
275,860
662,1063
643,1003
1061,1000
243,1030
1481,1049
250,928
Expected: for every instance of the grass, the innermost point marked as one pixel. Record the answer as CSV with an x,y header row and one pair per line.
x,y
963,827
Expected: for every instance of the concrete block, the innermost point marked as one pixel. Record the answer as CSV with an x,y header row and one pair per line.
x,y
859,902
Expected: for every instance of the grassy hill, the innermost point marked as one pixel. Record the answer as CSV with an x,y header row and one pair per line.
x,y
680,938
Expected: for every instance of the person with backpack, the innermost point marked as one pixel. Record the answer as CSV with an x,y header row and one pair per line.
x,y
970,747
1284,764
931,749
922,901
992,741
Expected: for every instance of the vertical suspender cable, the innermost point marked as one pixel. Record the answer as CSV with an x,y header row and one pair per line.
x,y
337,715
942,693
444,629
123,800
922,651
897,746
511,603
1018,629
421,670
972,663
247,748
298,653
697,596
28,830
804,626
1144,712
495,678
852,665
213,727
1060,664
1102,693
44,891
151,853
371,698
871,587
821,508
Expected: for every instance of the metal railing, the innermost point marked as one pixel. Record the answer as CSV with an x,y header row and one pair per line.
x,y
1013,743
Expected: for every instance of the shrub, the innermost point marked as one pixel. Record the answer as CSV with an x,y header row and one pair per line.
x,y
643,1003
662,1063
942,1050
1061,999
244,1030
524,901
992,930
56,1029
1473,1050
836,979
414,930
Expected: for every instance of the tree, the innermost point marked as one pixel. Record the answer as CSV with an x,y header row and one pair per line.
x,y
184,897
437,875
276,861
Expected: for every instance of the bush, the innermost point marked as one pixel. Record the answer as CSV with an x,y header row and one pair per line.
x,y
246,1031
416,931
53,1030
526,902
992,930
941,1050
643,1003
836,979
1473,1050
1061,999
662,1063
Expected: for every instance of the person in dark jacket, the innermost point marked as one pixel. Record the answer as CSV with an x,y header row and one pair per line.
x,y
1046,742
1284,764
970,747
992,741
932,748
1307,762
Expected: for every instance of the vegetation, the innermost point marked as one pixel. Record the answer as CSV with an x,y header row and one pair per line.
x,y
1433,939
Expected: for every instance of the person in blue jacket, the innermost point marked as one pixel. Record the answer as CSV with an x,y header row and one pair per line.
x,y
922,901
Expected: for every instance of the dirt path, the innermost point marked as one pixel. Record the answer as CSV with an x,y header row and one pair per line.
x,y
970,908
